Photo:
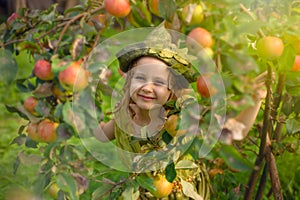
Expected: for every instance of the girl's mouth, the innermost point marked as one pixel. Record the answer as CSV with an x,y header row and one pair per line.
x,y
146,98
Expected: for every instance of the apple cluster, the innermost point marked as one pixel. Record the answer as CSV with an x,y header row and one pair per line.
x,y
70,79
200,42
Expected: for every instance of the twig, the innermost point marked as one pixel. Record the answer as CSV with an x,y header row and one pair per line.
x,y
277,100
275,181
266,124
263,183
245,10
74,19
114,186
66,28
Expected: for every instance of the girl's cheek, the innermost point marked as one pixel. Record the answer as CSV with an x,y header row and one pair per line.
x,y
134,86
164,93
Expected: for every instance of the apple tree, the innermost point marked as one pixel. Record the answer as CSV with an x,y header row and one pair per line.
x,y
242,40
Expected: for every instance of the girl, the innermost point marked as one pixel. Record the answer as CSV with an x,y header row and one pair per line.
x,y
156,89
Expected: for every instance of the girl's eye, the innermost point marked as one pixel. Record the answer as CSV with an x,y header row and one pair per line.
x,y
160,83
139,78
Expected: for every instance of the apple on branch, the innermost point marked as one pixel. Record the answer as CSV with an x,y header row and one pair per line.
x,y
11,19
30,104
42,70
204,86
117,8
32,132
270,47
46,130
198,39
296,66
162,185
74,77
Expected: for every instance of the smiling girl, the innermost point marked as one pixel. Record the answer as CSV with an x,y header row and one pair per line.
x,y
157,88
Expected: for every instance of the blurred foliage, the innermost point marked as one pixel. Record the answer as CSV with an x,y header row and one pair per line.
x,y
61,39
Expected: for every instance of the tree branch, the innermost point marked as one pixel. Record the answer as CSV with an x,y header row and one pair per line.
x,y
263,183
275,181
276,102
266,124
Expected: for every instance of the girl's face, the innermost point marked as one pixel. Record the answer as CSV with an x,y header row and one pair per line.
x,y
149,83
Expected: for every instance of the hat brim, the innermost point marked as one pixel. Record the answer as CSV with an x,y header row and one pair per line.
x,y
134,51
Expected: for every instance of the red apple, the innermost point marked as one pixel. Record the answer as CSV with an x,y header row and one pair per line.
x,y
74,77
32,132
42,70
199,38
47,130
270,47
117,8
204,86
10,20
296,66
30,103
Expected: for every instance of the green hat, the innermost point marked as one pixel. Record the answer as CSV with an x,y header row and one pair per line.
x,y
158,44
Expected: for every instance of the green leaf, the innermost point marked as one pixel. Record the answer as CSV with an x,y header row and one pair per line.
x,y
170,172
293,90
67,184
30,46
39,184
77,8
74,117
13,109
146,182
189,190
167,9
64,131
234,159
24,85
249,28
29,159
101,192
292,83
140,15
21,129
186,164
239,63
19,140
129,193
50,150
167,138
8,66
292,126
16,165
30,143
286,60
49,15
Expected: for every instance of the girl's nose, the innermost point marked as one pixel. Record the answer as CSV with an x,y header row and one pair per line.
x,y
147,88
